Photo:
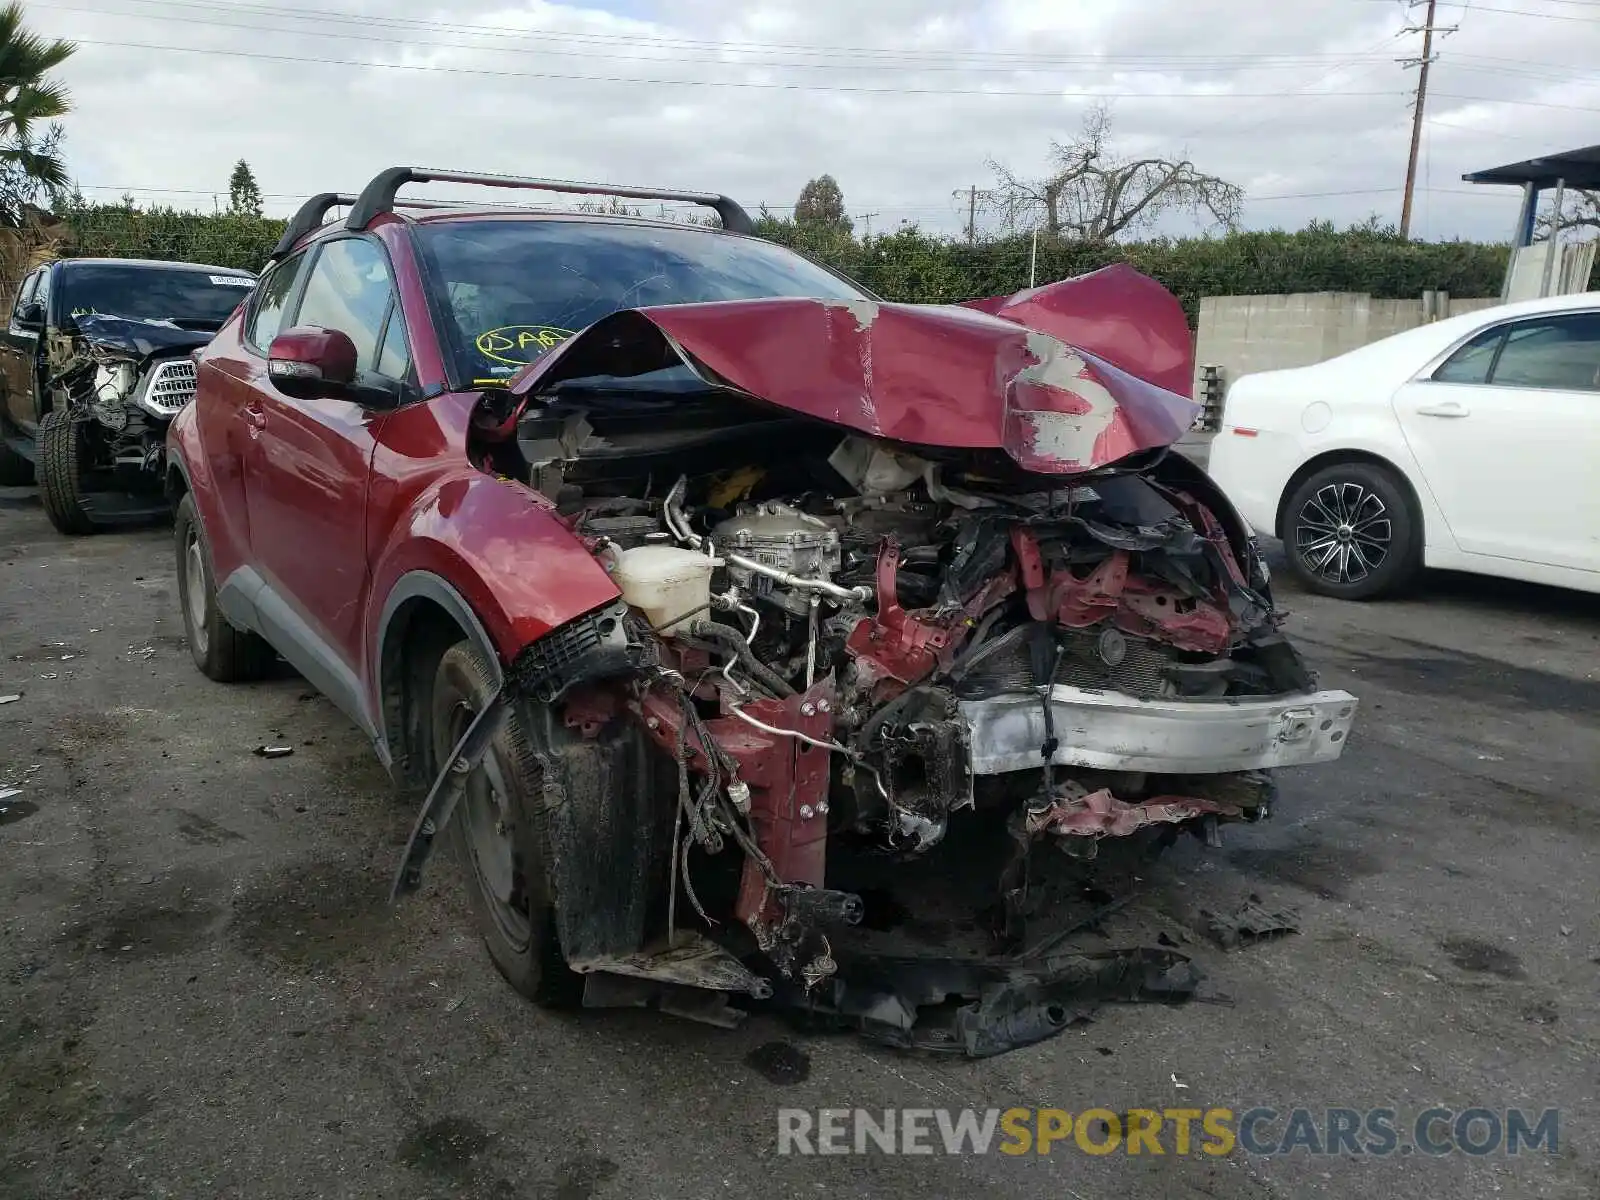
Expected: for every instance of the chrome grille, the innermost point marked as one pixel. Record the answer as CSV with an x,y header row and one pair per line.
x,y
171,386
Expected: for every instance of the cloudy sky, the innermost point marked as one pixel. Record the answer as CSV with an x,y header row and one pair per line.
x,y
1301,102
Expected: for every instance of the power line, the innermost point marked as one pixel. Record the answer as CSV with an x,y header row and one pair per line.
x,y
1522,62
1380,191
1135,64
734,83
1509,137
1144,64
544,37
1520,103
1303,90
1543,76
805,87
1518,12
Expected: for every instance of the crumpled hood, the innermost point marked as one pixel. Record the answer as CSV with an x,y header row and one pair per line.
x,y
137,336
1063,378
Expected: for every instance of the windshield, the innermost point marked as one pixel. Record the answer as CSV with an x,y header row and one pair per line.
x,y
151,293
516,289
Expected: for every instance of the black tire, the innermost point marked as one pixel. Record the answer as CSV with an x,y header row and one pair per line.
x,y
15,470
501,834
1352,531
222,652
65,464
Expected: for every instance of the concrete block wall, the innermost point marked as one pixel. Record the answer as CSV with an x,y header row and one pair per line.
x,y
1244,334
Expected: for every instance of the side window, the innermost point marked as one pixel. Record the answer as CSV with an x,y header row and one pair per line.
x,y
41,293
25,294
272,295
1558,352
1471,363
349,290
394,356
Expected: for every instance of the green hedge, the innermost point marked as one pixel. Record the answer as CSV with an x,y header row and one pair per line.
x,y
912,265
216,239
915,266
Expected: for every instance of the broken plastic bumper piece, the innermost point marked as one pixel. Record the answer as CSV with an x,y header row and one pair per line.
x,y
1114,732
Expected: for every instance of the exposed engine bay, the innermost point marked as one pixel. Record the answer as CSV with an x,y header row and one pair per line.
x,y
835,636
128,377
1027,618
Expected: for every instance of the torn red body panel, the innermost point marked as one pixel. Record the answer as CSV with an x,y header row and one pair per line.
x,y
1135,605
788,780
897,648
1117,313
929,375
1100,814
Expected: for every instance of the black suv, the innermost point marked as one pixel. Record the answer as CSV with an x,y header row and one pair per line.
x,y
96,359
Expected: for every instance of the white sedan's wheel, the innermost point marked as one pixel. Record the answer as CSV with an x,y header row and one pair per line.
x,y
1351,531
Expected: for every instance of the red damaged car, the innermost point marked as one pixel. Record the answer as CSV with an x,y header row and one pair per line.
x,y
656,559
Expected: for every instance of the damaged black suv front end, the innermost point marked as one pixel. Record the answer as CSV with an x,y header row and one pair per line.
x,y
101,362
129,378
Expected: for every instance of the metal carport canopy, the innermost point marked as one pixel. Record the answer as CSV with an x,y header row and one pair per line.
x,y
1574,168
1568,169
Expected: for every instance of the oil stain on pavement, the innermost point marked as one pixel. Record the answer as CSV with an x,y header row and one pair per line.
x,y
1481,958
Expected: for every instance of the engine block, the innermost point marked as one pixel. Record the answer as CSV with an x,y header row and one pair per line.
x,y
786,539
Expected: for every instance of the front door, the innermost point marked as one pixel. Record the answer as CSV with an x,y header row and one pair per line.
x,y
229,409
307,470
19,354
1505,432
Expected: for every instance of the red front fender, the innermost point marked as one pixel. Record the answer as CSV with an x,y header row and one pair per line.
x,y
497,544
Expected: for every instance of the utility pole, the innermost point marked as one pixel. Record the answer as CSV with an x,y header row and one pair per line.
x,y
972,214
1427,31
866,219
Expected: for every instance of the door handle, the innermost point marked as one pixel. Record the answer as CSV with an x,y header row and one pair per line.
x,y
256,416
1445,408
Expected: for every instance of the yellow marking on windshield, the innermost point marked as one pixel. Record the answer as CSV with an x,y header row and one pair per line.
x,y
519,345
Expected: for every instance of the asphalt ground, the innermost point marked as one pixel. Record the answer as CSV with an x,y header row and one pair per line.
x,y
203,992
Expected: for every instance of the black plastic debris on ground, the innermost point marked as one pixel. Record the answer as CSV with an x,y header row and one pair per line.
x,y
274,751
984,1007
1249,924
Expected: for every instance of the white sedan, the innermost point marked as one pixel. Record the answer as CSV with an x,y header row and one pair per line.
x,y
1472,443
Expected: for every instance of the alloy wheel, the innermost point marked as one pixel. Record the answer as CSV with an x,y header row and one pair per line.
x,y
1343,533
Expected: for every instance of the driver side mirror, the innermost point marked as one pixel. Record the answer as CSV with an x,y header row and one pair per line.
x,y
309,363
31,315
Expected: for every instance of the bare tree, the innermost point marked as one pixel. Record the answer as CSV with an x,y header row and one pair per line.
x,y
1579,210
1093,195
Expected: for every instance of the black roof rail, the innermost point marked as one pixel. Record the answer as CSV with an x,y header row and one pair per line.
x,y
309,217
315,210
379,195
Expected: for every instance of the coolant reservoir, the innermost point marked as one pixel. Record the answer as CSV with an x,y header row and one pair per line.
x,y
671,586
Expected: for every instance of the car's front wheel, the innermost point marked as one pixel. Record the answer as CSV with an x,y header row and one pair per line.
x,y
66,470
1351,530
501,832
222,652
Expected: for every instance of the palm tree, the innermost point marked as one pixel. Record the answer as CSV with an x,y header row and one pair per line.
x,y
30,161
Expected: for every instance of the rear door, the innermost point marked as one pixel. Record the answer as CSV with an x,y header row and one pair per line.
x,y
307,474
19,349
1505,430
